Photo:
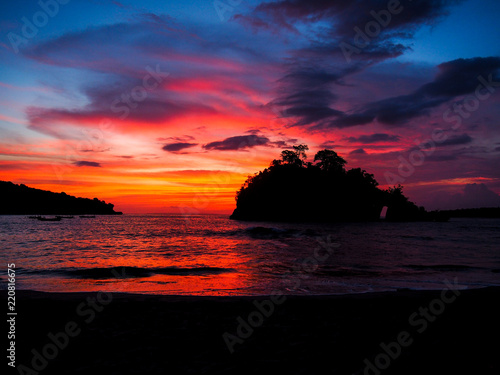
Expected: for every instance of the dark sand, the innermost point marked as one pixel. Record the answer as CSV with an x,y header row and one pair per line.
x,y
138,334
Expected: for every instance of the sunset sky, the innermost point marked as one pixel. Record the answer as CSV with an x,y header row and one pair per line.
x,y
167,106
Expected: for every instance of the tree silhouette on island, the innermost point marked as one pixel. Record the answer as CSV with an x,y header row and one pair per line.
x,y
292,189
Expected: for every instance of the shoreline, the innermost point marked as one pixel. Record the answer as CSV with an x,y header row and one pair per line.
x,y
126,333
73,294
30,294
390,290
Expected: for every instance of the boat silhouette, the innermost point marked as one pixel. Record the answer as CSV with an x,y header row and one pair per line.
x,y
49,218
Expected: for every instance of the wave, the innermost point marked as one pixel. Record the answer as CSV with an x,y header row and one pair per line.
x,y
131,272
423,238
348,272
440,267
259,232
271,232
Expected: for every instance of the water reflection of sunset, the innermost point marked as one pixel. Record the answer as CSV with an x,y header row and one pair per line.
x,y
162,254
193,272
212,255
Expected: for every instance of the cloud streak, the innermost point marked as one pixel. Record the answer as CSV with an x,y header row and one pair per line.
x,y
455,78
84,163
179,146
309,91
240,142
374,138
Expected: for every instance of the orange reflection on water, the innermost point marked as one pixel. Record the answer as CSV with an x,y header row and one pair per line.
x,y
152,261
222,284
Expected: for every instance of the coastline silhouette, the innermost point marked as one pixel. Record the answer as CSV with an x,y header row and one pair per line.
x,y
483,212
23,200
295,190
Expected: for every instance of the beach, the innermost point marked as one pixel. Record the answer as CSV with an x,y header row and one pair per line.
x,y
446,331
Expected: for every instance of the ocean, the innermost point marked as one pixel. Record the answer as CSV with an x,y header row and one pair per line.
x,y
212,255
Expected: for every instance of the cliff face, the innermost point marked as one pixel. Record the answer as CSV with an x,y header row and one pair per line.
x,y
293,190
23,200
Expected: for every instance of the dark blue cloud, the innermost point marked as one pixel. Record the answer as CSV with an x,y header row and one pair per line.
x,y
455,78
345,14
175,147
374,138
240,142
457,140
308,92
87,164
358,151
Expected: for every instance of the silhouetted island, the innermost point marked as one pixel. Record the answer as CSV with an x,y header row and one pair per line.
x,y
23,200
294,190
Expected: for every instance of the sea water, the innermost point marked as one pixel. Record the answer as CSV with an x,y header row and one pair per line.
x,y
212,255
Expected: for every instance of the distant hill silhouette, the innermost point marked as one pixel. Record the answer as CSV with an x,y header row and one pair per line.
x,y
484,212
23,200
292,189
